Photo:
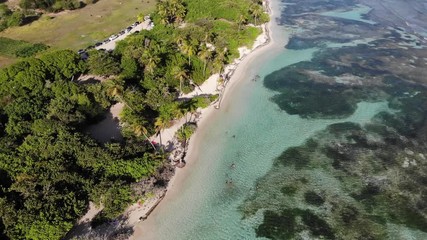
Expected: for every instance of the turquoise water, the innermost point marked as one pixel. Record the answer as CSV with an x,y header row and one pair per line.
x,y
263,172
207,208
353,14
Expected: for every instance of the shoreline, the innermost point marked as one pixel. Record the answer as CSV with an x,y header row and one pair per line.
x,y
136,216
237,72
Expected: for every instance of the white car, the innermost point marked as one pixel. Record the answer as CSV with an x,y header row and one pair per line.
x,y
112,37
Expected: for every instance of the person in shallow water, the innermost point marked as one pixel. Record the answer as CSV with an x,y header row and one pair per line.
x,y
256,78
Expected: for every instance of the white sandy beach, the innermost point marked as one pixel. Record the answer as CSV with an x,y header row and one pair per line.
x,y
239,70
250,58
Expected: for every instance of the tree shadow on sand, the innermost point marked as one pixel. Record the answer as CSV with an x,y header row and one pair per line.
x,y
106,130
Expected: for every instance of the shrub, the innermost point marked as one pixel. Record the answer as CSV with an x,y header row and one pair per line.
x,y
185,132
30,50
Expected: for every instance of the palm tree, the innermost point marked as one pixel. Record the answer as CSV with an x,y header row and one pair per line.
x,y
179,39
241,20
163,11
192,108
220,60
180,74
150,60
256,11
204,54
139,130
208,36
180,113
218,65
115,89
171,11
179,11
183,112
160,124
116,92
189,50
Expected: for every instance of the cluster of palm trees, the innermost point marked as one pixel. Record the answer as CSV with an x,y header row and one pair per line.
x,y
204,50
171,11
176,111
197,52
256,11
192,47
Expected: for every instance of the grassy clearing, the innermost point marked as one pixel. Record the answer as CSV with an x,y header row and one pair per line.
x,y
79,28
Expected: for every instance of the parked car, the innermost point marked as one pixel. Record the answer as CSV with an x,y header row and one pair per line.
x,y
98,44
135,24
90,47
84,56
107,41
80,51
122,32
128,29
112,37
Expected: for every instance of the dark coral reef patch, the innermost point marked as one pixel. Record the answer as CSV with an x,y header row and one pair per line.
x,y
349,181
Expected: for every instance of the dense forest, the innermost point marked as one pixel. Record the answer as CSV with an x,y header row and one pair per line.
x,y
50,168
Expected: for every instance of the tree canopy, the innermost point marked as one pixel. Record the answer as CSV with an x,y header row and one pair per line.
x,y
50,168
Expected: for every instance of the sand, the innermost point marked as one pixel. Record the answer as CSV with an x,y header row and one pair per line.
x,y
109,127
236,72
239,71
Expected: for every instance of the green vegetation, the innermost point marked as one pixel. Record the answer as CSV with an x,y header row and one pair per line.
x,y
50,168
101,63
53,5
185,132
171,11
29,10
8,18
234,11
16,48
90,24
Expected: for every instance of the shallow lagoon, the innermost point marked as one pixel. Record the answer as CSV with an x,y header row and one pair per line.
x,y
357,14
315,174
